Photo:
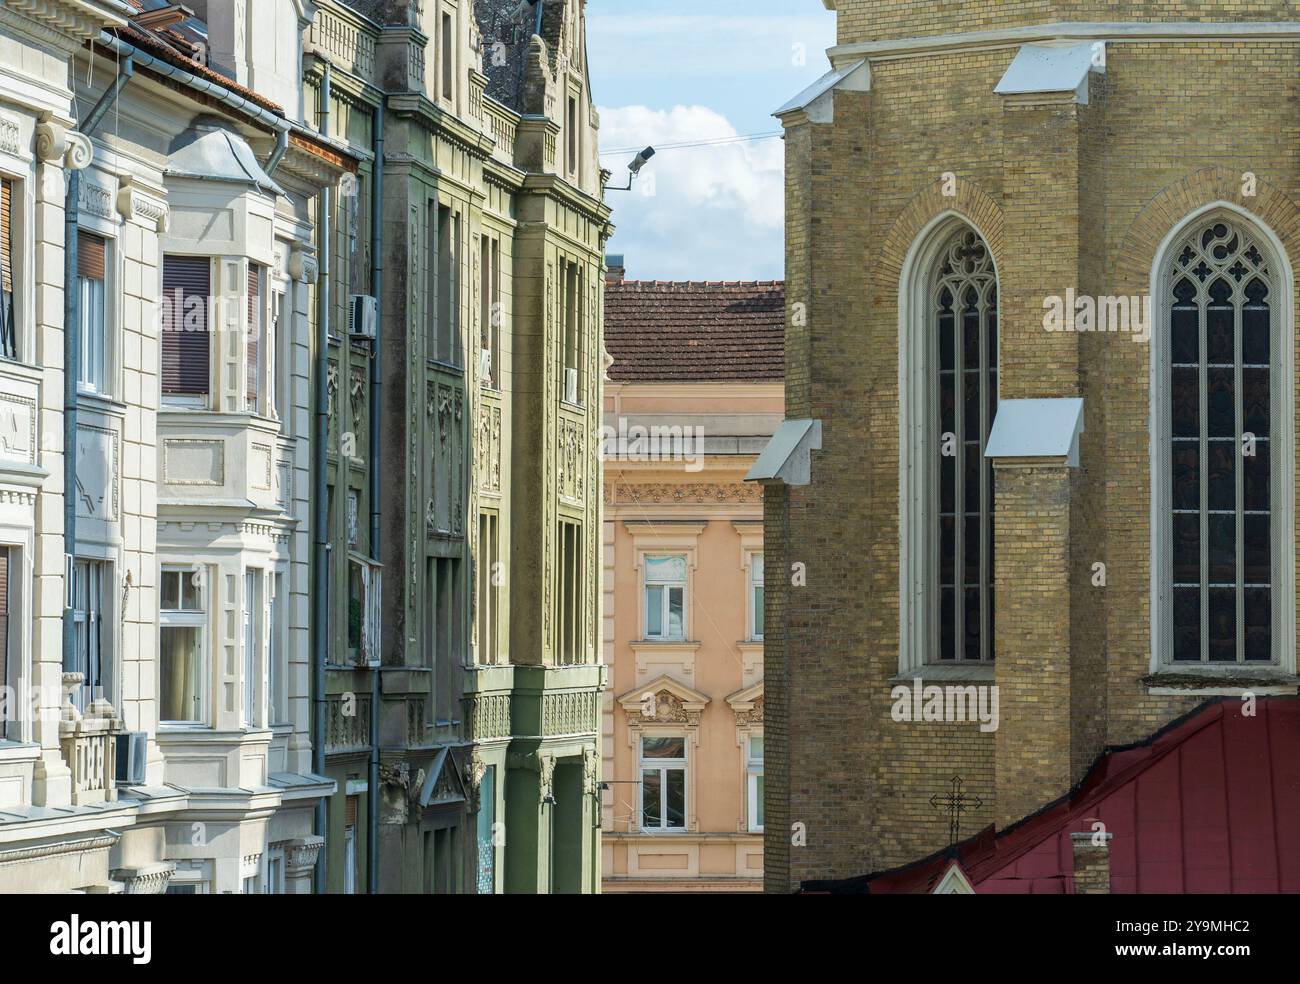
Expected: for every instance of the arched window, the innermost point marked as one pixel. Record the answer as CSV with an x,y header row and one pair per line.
x,y
1223,297
963,316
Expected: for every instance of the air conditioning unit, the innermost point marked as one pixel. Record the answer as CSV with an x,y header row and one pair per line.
x,y
571,386
485,365
132,757
363,316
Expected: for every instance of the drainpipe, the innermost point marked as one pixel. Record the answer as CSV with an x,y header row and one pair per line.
x,y
281,145
320,481
72,358
376,383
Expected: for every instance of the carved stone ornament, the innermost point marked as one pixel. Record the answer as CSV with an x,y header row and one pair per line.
x,y
303,266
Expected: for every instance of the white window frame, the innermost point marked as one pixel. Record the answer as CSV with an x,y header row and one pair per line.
x,y
665,598
273,880
21,223
278,636
664,766
255,645
755,609
104,385
265,343
16,725
188,619
371,609
349,860
753,770
99,576
1281,447
918,620
280,405
215,326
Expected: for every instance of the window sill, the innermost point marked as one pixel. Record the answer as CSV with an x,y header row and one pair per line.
x,y
580,407
94,399
19,751
1263,681
940,672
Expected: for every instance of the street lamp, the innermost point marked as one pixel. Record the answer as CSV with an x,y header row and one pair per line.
x,y
634,168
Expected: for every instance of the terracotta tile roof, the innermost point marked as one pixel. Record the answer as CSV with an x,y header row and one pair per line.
x,y
663,331
152,44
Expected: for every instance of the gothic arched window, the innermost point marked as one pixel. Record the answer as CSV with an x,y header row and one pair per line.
x,y
964,320
1223,293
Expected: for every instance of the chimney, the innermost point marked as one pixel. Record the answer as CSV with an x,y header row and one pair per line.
x,y
1091,862
614,268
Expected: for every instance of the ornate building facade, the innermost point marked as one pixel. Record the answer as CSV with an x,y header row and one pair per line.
x,y
694,393
465,752
1040,382
156,252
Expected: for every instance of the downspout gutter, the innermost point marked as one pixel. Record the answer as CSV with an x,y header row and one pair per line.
x,y
220,93
376,384
281,145
72,359
320,479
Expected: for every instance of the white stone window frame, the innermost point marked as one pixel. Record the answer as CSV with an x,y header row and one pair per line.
x,y
202,620
666,597
255,680
1281,462
918,405
685,765
279,634
114,296
109,618
20,171
752,772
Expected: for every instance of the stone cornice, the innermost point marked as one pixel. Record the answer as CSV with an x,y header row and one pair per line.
x,y
1116,32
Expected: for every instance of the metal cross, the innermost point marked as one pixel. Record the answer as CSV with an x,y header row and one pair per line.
x,y
955,803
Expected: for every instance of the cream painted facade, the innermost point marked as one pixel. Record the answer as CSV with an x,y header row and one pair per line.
x,y
704,689
191,556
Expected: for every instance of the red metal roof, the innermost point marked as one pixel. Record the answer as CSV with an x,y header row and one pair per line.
x,y
1208,805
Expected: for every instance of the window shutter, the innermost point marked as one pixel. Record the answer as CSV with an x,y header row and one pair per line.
x,y
6,237
350,818
186,336
4,621
254,373
90,256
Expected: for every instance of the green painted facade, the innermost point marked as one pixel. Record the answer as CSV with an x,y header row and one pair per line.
x,y
490,347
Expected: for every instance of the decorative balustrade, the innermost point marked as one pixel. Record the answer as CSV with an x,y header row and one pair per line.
x,y
89,746
501,125
353,50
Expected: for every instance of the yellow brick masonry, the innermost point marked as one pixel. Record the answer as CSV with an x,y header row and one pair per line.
x,y
1066,196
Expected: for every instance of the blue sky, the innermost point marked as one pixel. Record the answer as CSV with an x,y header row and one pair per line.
x,y
671,71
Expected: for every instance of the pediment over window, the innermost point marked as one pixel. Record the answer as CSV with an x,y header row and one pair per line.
x,y
443,783
748,705
663,701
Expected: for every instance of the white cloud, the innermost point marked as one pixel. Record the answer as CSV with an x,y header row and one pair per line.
x,y
695,213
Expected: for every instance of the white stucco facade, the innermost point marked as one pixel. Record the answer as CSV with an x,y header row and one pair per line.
x,y
190,576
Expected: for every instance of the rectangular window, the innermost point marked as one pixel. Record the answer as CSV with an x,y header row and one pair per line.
x,y
570,638
446,290
487,812
89,583
10,725
571,125
252,647
182,623
283,345
663,783
443,629
8,325
256,341
756,597
487,602
277,632
274,883
184,348
572,342
665,597
92,372
754,773
363,612
491,313
448,54
350,848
